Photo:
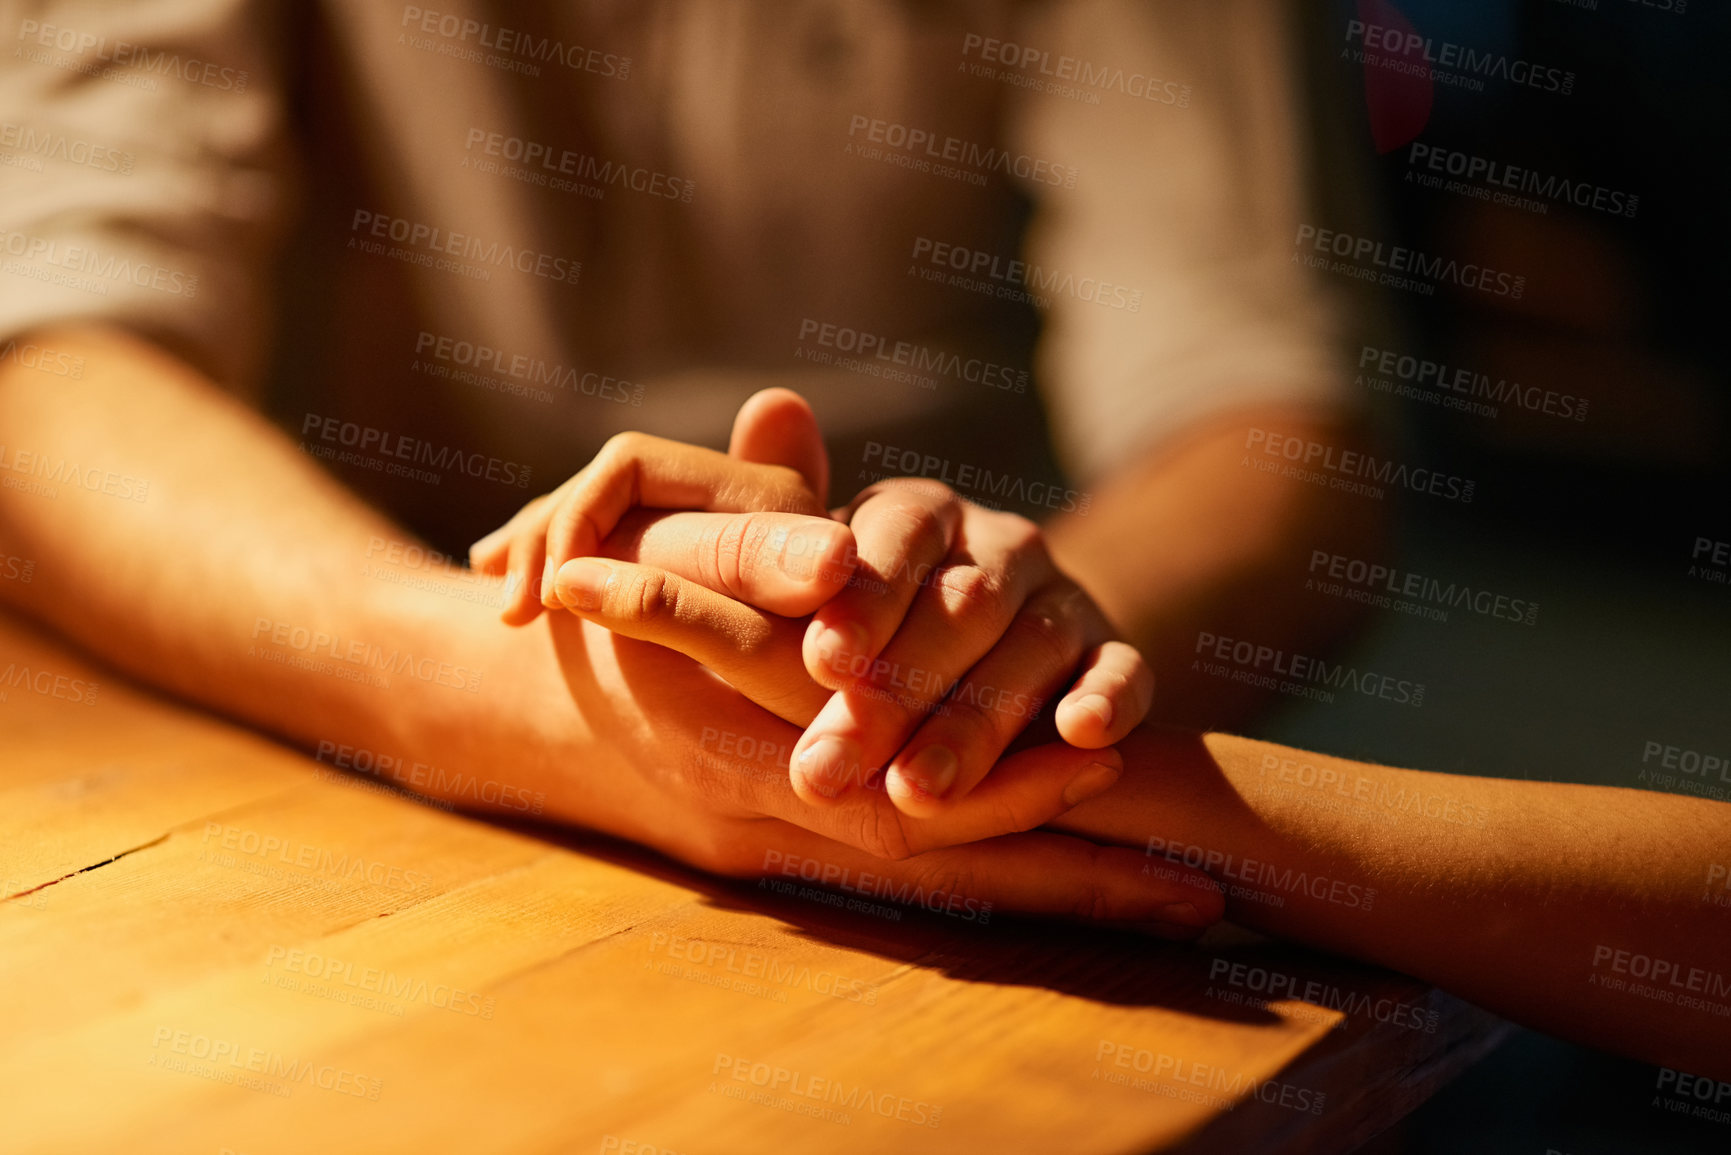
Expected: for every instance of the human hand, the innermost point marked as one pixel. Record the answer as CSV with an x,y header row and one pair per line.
x,y
676,759
952,632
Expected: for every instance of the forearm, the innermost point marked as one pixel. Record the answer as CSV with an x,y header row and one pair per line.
x,y
239,580
1547,903
1195,541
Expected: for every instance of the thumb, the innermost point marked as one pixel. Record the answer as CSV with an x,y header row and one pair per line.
x,y
777,427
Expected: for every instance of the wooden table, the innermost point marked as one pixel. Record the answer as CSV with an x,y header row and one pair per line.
x,y
210,943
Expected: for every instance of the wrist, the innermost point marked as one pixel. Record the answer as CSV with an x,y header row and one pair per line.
x,y
476,713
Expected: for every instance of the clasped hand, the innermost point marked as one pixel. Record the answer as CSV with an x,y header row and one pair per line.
x,y
912,636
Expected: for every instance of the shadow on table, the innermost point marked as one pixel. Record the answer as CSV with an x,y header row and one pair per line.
x,y
1224,976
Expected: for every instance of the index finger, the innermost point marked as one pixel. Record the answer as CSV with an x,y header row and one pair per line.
x,y
639,469
786,563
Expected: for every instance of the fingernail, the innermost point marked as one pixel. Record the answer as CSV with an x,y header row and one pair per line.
x,y
838,643
797,551
547,573
1095,778
1181,913
929,775
582,582
826,764
1099,706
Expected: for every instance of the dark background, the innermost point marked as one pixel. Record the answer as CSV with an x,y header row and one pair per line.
x,y
1595,520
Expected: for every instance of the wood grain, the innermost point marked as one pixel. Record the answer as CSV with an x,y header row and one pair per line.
x,y
400,978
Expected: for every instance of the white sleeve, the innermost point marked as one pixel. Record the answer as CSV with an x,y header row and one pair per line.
x,y
143,172
1184,207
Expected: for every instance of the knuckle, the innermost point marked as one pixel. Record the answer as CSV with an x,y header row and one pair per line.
x,y
1092,900
1016,813
1025,544
727,552
647,597
1092,904
880,833
624,445
966,586
916,521
1051,629
562,526
922,488
968,721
